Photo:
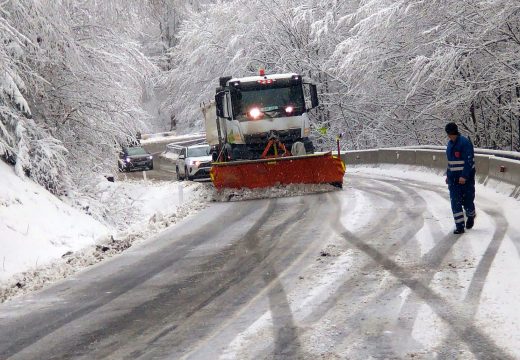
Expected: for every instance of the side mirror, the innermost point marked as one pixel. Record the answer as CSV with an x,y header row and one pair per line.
x,y
219,101
222,110
314,96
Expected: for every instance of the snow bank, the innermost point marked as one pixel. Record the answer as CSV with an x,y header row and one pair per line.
x,y
42,239
272,192
36,227
169,156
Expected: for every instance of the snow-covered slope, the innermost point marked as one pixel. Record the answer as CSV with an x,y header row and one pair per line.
x,y
36,227
42,239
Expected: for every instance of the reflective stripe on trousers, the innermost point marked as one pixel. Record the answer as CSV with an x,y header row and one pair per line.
x,y
462,196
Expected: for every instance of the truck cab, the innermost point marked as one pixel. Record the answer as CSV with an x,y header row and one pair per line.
x,y
249,111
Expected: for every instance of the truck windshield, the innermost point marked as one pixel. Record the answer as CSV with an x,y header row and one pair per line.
x,y
271,101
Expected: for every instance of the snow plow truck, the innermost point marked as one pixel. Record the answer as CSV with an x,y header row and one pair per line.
x,y
258,128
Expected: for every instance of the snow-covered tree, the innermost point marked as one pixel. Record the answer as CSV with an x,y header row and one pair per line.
x,y
77,76
390,72
72,80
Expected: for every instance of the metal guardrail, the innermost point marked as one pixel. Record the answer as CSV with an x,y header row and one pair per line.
x,y
156,135
514,155
179,145
488,164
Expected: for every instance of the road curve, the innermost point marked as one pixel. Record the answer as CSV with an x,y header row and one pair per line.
x,y
372,271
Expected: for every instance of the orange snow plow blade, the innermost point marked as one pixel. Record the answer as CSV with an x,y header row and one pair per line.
x,y
306,169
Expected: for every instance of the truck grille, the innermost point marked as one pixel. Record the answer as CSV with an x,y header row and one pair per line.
x,y
285,136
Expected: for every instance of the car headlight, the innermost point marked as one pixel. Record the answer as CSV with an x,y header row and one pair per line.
x,y
150,157
127,159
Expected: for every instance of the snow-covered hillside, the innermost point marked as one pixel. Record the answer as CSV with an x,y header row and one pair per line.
x,y
36,227
40,232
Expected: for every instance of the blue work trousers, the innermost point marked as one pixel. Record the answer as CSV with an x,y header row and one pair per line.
x,y
462,196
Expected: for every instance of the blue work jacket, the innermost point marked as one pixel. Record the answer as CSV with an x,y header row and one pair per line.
x,y
461,161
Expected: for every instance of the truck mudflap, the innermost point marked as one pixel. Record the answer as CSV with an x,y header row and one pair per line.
x,y
306,169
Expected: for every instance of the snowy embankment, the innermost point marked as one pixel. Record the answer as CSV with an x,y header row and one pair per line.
x,y
36,227
44,239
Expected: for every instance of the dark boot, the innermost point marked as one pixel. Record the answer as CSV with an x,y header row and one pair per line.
x,y
470,222
458,231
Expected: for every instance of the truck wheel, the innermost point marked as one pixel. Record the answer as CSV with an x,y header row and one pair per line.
x,y
338,185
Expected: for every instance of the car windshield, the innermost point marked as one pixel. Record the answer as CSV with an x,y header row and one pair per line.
x,y
198,151
136,151
272,101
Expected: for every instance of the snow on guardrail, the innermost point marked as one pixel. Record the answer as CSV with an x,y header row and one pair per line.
x,y
492,165
168,137
515,155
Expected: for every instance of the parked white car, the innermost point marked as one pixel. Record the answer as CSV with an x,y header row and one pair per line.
x,y
193,162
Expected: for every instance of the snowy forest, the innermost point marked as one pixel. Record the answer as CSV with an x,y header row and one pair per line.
x,y
78,78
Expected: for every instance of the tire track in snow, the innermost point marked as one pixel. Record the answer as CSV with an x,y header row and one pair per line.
x,y
254,271
380,341
287,344
472,299
427,266
478,342
50,320
187,298
252,319
433,261
387,222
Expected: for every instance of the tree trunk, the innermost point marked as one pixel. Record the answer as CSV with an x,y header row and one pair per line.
x,y
475,124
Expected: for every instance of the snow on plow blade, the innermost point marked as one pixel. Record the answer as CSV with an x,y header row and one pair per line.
x,y
306,169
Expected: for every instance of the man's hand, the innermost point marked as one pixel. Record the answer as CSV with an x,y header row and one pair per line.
x,y
462,180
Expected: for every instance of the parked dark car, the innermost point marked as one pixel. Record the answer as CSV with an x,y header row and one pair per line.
x,y
134,158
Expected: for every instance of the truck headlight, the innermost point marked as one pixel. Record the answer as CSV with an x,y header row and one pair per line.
x,y
255,113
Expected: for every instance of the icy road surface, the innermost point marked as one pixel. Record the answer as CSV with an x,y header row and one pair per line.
x,y
370,272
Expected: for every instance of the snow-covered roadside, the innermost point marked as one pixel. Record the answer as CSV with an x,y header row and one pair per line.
x,y
43,239
36,227
169,156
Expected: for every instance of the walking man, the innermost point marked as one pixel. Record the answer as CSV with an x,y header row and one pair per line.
x,y
460,177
